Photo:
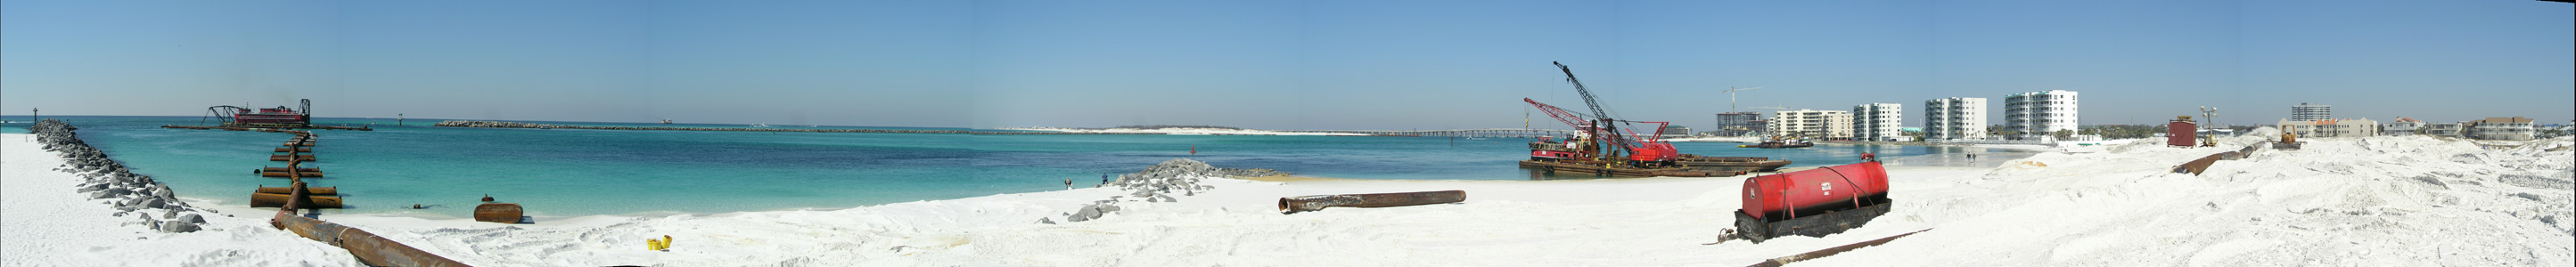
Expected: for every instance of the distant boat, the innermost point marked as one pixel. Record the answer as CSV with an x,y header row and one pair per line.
x,y
760,125
666,121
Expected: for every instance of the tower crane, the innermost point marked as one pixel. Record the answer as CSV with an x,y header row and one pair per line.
x,y
1730,96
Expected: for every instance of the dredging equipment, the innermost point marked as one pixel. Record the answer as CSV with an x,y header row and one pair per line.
x,y
369,248
317,191
497,212
268,119
1601,147
1293,205
1732,164
1816,202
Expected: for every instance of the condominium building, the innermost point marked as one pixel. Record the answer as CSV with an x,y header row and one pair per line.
x,y
2453,130
1878,121
2332,127
2402,126
1808,123
2500,128
1954,118
2038,114
2309,112
1738,123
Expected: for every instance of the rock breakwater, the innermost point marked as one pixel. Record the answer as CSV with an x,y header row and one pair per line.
x,y
1158,183
107,179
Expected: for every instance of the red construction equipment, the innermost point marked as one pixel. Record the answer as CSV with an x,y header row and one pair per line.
x,y
1816,202
2181,132
1600,146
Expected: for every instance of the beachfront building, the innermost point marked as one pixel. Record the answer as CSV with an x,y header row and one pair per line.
x,y
2036,115
1878,121
1676,131
1739,123
1956,118
2402,126
2500,128
2332,127
2452,130
2309,112
1809,123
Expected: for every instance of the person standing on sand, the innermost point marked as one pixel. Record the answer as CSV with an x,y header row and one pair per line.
x,y
1068,183
1104,179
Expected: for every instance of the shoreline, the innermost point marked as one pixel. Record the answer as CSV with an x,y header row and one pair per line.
x,y
2014,147
2103,208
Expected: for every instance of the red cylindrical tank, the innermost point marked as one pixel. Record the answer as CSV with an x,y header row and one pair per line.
x,y
1790,195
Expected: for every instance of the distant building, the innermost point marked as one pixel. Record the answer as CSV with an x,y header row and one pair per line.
x,y
2332,127
1878,121
1808,123
1739,123
1674,131
2402,126
2038,114
2453,130
2308,112
2500,128
1954,118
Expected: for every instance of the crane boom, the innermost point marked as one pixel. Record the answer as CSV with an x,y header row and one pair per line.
x,y
1569,118
1578,88
1607,127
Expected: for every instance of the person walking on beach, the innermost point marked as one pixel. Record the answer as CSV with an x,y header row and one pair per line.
x,y
1068,183
1104,179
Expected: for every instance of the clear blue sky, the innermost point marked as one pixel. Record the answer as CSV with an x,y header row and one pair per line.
x,y
1277,64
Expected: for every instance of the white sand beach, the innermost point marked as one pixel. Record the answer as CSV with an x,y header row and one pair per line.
x,y
2385,201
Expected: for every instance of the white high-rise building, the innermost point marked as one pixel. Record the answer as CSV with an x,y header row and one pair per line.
x,y
1878,121
1808,123
1954,118
2307,112
2039,114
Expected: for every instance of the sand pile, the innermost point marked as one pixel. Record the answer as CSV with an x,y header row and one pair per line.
x,y
2380,201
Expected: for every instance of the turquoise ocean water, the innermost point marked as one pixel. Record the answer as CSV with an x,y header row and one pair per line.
x,y
590,172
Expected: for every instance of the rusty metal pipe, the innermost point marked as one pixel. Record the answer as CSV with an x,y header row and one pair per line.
x,y
2195,167
1293,205
315,190
280,174
309,200
282,169
368,247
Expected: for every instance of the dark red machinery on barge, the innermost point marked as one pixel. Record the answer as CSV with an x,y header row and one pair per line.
x,y
1600,147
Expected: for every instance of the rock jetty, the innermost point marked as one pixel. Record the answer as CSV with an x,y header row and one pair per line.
x,y
504,124
1157,184
108,180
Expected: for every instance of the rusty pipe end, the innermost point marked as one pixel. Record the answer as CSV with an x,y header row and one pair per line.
x,y
1283,207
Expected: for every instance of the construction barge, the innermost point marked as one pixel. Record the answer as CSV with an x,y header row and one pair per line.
x,y
1600,147
273,120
